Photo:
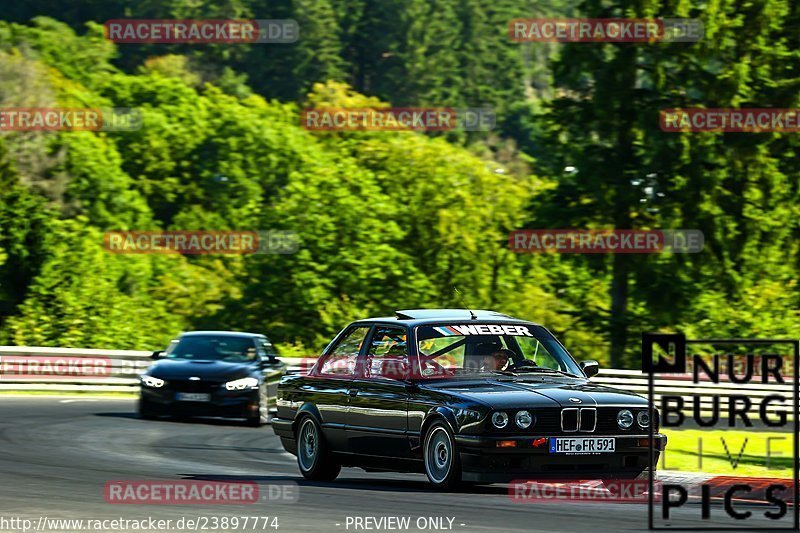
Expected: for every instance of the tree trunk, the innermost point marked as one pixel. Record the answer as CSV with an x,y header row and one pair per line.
x,y
623,200
619,309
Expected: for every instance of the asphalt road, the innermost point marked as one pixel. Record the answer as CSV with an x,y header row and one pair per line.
x,y
57,454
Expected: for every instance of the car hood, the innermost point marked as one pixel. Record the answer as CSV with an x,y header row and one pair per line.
x,y
205,370
508,394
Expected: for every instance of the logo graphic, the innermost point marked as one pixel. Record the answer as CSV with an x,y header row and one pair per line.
x,y
606,241
201,242
53,367
70,119
740,395
664,353
611,30
743,120
575,400
190,31
398,119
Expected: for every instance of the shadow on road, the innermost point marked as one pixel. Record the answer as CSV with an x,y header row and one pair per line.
x,y
375,484
118,415
207,447
207,421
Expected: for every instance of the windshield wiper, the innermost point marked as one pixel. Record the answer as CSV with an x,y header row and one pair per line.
x,y
540,369
504,372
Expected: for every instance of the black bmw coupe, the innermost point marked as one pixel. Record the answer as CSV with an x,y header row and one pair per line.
x,y
210,373
461,396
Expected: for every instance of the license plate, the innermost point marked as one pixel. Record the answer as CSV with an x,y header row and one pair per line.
x,y
192,397
582,445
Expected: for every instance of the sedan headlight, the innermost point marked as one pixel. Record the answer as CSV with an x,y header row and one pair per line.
x,y
523,419
150,381
468,415
624,419
643,418
241,384
500,420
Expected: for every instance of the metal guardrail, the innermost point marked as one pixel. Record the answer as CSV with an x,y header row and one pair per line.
x,y
122,368
636,381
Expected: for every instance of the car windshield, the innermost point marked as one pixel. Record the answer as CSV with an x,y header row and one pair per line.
x,y
212,348
456,349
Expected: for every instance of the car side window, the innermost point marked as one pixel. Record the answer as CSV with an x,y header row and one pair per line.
x,y
265,348
388,354
341,361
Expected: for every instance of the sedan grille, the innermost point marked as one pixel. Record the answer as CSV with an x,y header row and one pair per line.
x,y
578,419
192,386
555,421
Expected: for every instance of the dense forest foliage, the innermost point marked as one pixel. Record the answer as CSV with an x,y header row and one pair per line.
x,y
391,220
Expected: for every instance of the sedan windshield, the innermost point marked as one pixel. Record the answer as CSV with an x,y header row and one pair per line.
x,y
454,349
213,348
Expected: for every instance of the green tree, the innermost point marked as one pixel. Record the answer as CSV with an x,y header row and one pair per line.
x,y
24,223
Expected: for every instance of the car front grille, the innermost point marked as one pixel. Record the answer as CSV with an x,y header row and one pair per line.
x,y
192,386
578,419
557,421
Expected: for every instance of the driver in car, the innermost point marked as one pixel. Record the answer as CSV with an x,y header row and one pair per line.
x,y
498,360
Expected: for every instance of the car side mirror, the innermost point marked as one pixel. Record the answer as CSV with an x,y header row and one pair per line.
x,y
590,368
157,354
268,360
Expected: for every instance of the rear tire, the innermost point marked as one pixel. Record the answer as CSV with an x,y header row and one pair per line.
x,y
313,455
441,458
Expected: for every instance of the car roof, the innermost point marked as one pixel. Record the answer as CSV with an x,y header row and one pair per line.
x,y
221,333
416,317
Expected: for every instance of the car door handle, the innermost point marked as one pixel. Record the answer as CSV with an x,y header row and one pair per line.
x,y
353,393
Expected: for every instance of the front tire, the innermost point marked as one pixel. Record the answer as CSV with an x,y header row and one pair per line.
x,y
147,410
313,455
442,462
261,416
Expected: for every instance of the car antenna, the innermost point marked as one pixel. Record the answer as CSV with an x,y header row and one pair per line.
x,y
471,314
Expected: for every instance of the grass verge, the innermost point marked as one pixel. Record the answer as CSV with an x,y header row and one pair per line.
x,y
752,453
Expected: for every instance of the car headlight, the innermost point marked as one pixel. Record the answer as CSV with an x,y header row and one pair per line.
x,y
500,420
150,381
625,419
523,419
241,384
468,415
643,418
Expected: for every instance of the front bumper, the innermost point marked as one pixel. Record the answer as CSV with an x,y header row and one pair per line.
x,y
484,460
223,403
